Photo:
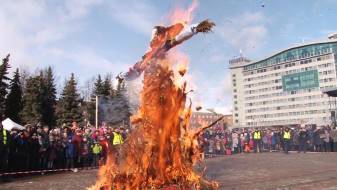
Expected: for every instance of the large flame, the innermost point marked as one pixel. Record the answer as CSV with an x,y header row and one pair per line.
x,y
182,15
161,151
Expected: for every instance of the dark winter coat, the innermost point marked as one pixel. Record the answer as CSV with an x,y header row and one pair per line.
x,y
317,138
70,150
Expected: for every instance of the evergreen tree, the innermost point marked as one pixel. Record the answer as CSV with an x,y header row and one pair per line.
x,y
107,86
33,100
24,75
49,98
98,86
3,85
14,103
120,104
68,107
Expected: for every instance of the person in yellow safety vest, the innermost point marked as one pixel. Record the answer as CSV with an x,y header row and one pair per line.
x,y
117,140
286,140
117,137
96,151
4,149
257,141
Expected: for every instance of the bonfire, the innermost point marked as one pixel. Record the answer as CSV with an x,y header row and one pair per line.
x,y
161,151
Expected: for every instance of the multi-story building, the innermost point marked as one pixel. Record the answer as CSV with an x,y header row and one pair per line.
x,y
287,87
200,118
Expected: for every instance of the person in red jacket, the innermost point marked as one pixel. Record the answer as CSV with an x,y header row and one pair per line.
x,y
77,141
105,148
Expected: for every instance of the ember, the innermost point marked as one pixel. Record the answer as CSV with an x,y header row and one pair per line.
x,y
161,151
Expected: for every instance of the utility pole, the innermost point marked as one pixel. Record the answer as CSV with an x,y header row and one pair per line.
x,y
96,124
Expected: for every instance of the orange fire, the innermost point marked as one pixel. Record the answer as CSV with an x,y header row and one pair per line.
x,y
161,150
182,15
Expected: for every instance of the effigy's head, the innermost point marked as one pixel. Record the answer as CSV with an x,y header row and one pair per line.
x,y
162,34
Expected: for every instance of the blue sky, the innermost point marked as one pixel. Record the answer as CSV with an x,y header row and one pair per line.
x,y
89,37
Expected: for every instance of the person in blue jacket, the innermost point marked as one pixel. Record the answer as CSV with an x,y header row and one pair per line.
x,y
70,153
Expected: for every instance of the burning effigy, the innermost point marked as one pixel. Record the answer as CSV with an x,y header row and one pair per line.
x,y
161,150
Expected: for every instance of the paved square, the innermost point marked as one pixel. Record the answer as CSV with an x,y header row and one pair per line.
x,y
310,171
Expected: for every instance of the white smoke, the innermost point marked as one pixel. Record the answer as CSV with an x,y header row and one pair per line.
x,y
133,89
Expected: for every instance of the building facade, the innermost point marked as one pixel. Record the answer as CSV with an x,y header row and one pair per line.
x,y
202,118
287,87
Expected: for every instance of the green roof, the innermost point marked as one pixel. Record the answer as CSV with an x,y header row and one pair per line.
x,y
296,53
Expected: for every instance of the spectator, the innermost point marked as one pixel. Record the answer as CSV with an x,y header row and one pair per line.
x,y
20,151
52,155
85,147
286,140
77,141
96,150
235,142
317,140
70,153
44,145
296,140
242,143
334,139
326,139
303,138
5,142
34,152
257,141
217,145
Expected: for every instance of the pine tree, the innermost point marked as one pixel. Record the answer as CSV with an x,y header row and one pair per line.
x,y
120,103
107,86
14,102
98,87
49,98
3,85
68,107
32,101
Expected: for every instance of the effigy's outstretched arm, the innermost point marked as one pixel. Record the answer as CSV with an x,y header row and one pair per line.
x,y
204,27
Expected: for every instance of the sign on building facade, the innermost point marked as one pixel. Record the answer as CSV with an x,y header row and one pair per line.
x,y
302,80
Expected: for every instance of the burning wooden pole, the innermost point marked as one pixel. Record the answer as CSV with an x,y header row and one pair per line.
x,y
208,126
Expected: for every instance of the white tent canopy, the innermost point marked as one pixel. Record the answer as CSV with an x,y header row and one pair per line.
x,y
8,124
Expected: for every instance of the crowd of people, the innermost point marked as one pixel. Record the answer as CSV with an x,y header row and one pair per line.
x,y
41,148
298,138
